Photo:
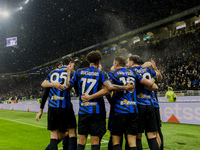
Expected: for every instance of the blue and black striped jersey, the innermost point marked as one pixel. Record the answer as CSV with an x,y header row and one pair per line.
x,y
143,95
155,98
57,98
124,101
89,80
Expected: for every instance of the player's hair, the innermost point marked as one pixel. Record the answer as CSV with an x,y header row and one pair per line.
x,y
94,56
140,61
67,60
121,60
135,58
59,63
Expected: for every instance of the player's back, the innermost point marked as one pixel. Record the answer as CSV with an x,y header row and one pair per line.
x,y
143,95
89,80
123,101
58,98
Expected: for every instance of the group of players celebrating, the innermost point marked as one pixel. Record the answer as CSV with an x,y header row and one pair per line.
x,y
130,89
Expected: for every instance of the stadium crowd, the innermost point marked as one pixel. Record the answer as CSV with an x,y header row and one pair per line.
x,y
21,88
177,58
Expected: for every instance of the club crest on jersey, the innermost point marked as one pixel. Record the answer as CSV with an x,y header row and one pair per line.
x,y
126,102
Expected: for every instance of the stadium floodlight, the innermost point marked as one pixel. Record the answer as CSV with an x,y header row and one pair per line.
x,y
26,1
20,8
5,14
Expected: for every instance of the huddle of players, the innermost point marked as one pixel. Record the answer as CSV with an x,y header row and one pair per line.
x,y
132,111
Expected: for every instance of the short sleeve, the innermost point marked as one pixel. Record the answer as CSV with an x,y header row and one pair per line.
x,y
49,77
153,73
71,74
74,79
104,76
138,76
110,79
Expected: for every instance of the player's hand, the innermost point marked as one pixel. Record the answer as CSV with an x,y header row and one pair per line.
x,y
130,86
59,86
69,67
38,116
147,64
85,97
152,80
154,65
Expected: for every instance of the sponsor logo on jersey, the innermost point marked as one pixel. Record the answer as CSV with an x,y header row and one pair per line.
x,y
126,102
143,96
55,97
89,104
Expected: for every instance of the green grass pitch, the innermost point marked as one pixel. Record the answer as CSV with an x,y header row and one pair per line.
x,y
20,131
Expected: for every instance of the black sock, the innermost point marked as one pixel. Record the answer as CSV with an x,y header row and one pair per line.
x,y
73,143
100,141
117,147
126,145
139,144
47,148
95,147
133,148
53,144
153,144
121,141
58,141
65,143
110,143
161,137
80,147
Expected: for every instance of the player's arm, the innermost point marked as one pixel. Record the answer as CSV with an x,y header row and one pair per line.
x,y
85,97
69,75
148,82
39,114
44,99
153,88
158,74
113,87
146,64
47,84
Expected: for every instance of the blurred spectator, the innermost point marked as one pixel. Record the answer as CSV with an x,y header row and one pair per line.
x,y
170,95
195,84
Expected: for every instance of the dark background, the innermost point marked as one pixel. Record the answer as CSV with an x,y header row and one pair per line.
x,y
47,30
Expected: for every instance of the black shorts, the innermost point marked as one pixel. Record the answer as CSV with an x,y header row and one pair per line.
x,y
124,123
111,115
58,119
93,124
72,119
158,121
147,118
